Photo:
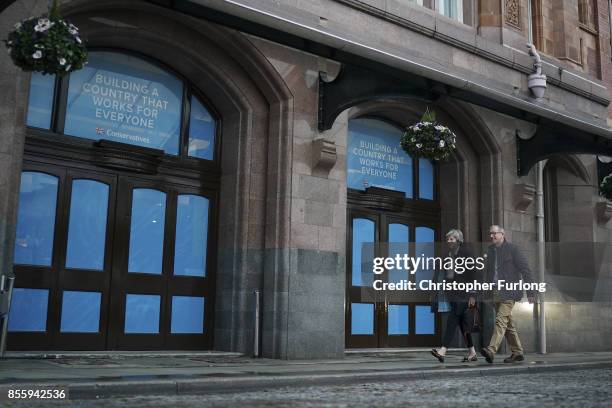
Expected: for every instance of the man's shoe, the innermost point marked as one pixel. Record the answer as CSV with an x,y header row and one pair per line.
x,y
514,358
487,355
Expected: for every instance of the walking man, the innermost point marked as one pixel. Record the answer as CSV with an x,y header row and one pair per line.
x,y
505,262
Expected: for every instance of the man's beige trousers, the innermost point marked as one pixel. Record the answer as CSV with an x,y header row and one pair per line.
x,y
504,325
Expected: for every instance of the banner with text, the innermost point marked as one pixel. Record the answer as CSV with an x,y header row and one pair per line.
x,y
375,157
125,99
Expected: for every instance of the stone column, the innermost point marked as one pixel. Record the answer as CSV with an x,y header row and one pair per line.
x,y
13,105
490,20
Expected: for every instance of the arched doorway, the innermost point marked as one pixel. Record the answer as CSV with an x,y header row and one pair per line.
x,y
256,109
466,195
393,208
115,243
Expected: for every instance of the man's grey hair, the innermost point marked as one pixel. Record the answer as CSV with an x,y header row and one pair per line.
x,y
455,233
497,228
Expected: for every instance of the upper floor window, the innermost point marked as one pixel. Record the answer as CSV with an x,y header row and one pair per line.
x,y
586,13
126,99
458,10
452,9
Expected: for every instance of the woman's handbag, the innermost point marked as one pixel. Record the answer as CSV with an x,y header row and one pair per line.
x,y
471,320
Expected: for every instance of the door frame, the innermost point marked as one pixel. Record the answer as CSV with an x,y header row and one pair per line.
x,y
373,203
56,154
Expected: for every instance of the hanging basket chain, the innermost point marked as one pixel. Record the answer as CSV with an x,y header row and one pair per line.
x,y
54,10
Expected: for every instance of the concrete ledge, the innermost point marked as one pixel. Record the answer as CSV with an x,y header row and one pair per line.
x,y
51,355
96,390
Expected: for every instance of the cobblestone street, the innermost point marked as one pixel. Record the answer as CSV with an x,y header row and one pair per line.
x,y
585,389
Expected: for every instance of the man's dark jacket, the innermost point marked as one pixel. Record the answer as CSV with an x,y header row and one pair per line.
x,y
512,267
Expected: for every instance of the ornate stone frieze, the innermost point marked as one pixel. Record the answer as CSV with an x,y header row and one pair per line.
x,y
513,13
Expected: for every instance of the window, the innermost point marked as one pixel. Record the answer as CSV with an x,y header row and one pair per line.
x,y
452,9
36,219
127,99
586,13
376,159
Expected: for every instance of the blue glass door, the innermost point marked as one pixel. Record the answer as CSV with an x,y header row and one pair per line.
x,y
107,261
162,270
62,259
388,318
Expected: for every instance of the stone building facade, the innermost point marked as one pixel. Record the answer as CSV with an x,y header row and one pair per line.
x,y
286,83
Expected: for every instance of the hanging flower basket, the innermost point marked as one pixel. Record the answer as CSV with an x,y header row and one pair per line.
x,y
47,44
605,189
428,139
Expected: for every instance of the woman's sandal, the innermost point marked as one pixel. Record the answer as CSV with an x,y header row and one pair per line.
x,y
469,359
437,355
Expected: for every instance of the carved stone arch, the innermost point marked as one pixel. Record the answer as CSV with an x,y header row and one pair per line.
x,y
255,107
488,165
572,164
471,193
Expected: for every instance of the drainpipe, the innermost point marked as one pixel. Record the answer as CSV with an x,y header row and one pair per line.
x,y
257,323
541,254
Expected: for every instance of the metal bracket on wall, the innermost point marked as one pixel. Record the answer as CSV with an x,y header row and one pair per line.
x,y
354,85
549,141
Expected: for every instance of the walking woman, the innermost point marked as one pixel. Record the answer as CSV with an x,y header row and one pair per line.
x,y
459,301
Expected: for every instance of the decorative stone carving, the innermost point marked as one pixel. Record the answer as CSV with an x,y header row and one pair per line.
x,y
603,209
513,13
524,194
323,155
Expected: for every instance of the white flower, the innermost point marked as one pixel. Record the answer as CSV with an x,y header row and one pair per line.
x,y
78,40
440,128
37,55
73,32
62,61
68,67
43,25
418,145
17,26
425,123
39,46
413,140
72,27
441,143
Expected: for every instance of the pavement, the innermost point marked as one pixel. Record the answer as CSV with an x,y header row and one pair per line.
x,y
128,374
